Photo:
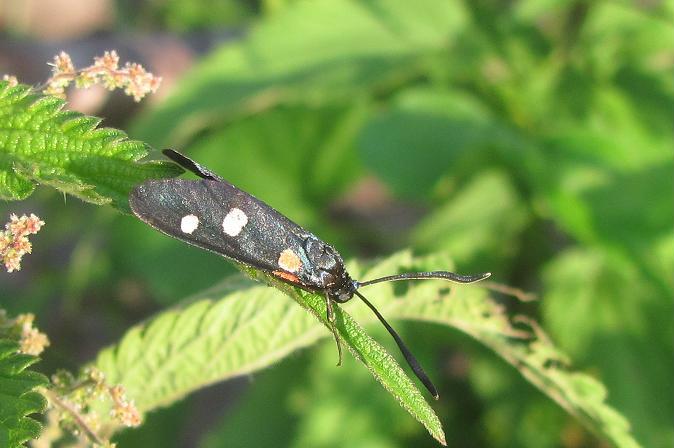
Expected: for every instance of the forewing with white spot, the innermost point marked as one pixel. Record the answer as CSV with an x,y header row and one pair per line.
x,y
189,223
230,222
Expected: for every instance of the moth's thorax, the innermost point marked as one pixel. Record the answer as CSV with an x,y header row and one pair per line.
x,y
327,270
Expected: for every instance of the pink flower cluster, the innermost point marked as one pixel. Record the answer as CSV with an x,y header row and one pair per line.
x,y
31,340
132,77
124,409
11,80
14,242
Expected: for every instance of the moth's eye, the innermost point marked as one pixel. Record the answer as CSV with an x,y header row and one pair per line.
x,y
345,296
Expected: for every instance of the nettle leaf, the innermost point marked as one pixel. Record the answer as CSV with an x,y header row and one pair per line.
x,y
41,143
18,398
519,341
238,328
236,331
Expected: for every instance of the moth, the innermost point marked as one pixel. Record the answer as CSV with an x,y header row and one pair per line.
x,y
213,214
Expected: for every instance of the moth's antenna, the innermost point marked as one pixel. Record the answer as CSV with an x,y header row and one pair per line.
x,y
409,357
440,275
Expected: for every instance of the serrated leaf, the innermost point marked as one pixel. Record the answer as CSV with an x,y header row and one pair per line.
x,y
601,309
378,361
337,49
236,329
41,143
235,333
17,396
524,345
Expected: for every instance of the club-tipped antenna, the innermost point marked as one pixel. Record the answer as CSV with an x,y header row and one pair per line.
x,y
409,357
439,275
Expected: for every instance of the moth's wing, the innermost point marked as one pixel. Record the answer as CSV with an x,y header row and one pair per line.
x,y
163,204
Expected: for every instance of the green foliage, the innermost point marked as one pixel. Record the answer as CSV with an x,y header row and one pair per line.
x,y
422,132
467,229
40,143
249,329
530,138
613,318
534,131
237,329
282,146
529,350
336,50
18,397
182,16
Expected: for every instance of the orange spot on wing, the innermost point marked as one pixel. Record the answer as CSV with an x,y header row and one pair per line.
x,y
289,261
287,276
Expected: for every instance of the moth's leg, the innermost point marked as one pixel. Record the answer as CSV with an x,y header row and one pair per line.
x,y
333,328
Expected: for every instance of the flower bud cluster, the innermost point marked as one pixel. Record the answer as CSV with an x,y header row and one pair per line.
x,y
132,77
14,242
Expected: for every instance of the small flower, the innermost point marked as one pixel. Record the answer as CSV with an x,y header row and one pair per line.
x,y
63,64
13,82
96,379
26,225
109,60
33,224
139,82
95,374
32,341
123,409
55,90
132,78
14,242
63,379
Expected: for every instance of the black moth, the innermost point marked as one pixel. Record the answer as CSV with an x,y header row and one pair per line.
x,y
213,214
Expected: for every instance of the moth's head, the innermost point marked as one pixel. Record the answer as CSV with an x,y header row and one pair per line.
x,y
328,271
343,292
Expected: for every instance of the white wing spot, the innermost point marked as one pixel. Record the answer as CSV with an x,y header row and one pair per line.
x,y
189,223
289,261
234,222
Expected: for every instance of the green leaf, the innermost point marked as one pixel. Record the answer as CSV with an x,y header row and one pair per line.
x,y
236,332
603,311
378,361
337,49
524,345
291,156
236,329
241,427
41,143
424,135
17,396
481,222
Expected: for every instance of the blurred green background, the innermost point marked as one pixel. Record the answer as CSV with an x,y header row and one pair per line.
x,y
532,139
